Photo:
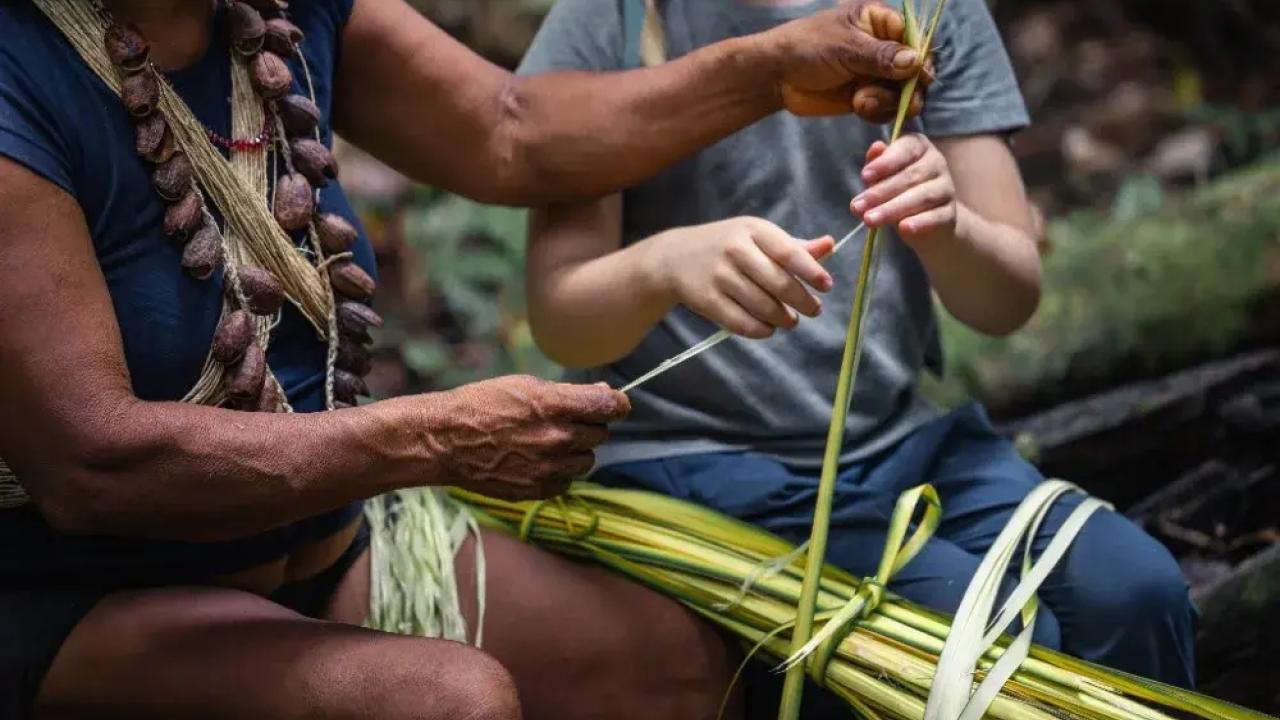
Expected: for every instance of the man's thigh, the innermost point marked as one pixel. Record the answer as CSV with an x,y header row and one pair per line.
x,y
579,639
208,653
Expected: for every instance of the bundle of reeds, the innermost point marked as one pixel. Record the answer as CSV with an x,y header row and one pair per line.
x,y
748,581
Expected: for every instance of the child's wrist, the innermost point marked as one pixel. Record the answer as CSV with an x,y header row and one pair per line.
x,y
655,276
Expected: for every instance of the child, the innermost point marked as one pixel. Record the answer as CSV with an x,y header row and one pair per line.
x,y
620,284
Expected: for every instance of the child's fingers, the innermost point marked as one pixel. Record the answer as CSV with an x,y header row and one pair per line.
x,y
757,301
821,247
778,283
919,199
892,187
903,152
781,248
728,314
927,221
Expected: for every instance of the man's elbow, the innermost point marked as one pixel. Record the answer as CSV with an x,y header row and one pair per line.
x,y
87,492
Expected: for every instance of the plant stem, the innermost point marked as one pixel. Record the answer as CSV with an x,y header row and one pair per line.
x,y
793,685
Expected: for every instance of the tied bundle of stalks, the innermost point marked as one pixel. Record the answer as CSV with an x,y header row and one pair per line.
x,y
748,581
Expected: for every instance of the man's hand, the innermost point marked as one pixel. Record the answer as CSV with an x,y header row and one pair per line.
x,y
849,57
520,438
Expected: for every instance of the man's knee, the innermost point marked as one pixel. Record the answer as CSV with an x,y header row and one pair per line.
x,y
414,679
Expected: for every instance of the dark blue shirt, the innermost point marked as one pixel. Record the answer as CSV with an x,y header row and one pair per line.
x,y
59,119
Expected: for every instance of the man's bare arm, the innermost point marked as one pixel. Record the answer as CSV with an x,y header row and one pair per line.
x,y
422,102
96,459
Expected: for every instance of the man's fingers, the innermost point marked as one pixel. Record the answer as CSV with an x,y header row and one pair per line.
x,y
875,103
883,22
866,55
574,466
592,404
817,103
584,437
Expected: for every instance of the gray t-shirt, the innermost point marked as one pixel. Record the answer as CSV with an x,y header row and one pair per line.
x,y
774,396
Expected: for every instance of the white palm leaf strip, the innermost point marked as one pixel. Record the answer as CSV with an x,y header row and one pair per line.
x,y
973,633
720,336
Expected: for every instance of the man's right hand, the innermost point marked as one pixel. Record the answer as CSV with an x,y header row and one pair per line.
x,y
849,57
521,438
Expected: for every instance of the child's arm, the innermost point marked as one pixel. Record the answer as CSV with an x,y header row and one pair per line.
x,y
591,302
961,206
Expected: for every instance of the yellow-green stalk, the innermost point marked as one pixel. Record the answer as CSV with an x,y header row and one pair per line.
x,y
793,686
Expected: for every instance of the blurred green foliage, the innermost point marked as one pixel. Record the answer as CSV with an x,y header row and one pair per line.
x,y
1154,284
473,255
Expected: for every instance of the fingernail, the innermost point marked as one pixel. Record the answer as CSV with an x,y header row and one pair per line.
x,y
859,204
905,58
874,216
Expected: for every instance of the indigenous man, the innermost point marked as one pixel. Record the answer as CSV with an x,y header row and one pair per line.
x,y
169,559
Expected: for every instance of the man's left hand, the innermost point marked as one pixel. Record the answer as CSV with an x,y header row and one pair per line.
x,y
849,57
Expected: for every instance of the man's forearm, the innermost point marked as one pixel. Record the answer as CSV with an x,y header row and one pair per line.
x,y
187,472
576,134
988,276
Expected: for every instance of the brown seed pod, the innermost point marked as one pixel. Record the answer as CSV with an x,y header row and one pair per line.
x,y
203,253
294,202
314,161
271,6
270,400
152,139
245,378
262,291
126,47
353,357
283,37
140,93
336,235
356,318
183,218
351,281
299,115
172,178
248,29
270,75
232,337
347,386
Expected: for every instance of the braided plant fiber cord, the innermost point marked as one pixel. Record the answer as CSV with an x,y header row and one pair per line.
x,y
414,538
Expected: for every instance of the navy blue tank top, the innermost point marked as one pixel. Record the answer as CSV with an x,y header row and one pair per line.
x,y
58,119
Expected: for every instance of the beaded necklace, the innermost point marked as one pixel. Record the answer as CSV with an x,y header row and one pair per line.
x,y
263,40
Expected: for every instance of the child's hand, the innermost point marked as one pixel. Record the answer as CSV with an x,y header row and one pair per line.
x,y
745,274
908,184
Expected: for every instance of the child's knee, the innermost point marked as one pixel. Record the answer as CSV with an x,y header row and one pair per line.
x,y
1127,576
